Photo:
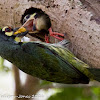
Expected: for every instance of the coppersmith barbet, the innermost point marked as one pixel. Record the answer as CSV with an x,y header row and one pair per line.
x,y
7,33
51,62
58,64
39,25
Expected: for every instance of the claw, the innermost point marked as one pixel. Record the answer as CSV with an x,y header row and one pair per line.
x,y
56,35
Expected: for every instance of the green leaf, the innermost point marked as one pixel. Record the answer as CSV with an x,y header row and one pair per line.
x,y
73,93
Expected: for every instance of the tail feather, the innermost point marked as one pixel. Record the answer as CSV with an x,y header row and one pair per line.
x,y
95,72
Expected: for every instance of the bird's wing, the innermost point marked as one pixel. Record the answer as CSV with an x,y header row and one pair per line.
x,y
51,59
68,57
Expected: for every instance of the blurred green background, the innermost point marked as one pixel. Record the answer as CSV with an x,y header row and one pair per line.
x,y
46,91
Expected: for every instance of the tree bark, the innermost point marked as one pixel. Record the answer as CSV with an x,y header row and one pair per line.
x,y
17,81
67,17
79,21
30,87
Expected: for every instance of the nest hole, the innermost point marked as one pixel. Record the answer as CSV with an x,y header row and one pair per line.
x,y
31,10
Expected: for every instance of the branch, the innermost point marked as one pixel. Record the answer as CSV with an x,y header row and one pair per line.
x,y
31,85
17,80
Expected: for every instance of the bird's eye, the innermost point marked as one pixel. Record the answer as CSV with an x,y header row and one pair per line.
x,y
27,16
7,30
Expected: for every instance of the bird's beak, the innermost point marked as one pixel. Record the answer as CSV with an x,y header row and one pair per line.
x,y
20,30
27,26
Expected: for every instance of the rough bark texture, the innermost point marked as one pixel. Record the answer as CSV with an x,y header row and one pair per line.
x,y
94,6
77,23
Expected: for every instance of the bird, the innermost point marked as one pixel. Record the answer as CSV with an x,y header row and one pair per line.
x,y
39,25
7,33
51,62
58,64
7,30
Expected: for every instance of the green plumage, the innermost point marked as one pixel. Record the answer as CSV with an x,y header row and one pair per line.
x,y
60,62
47,61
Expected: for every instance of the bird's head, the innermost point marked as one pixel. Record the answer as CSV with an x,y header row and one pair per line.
x,y
27,24
37,25
7,30
36,22
29,21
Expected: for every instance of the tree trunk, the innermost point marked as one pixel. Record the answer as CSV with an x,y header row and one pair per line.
x,y
67,16
31,86
79,20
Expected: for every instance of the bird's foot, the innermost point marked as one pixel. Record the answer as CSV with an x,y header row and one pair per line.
x,y
59,36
